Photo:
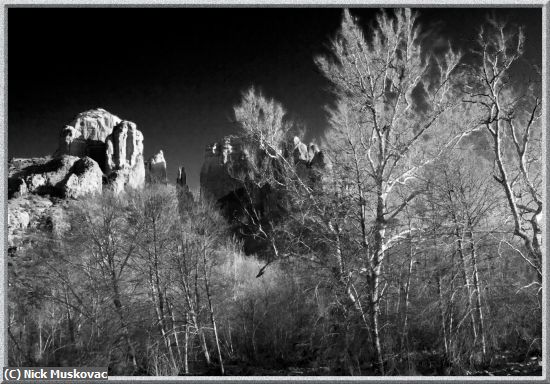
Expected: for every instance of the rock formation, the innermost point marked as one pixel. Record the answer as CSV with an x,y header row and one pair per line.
x,y
84,178
185,196
231,161
124,156
181,181
95,147
156,169
30,212
227,163
300,152
64,176
96,143
86,135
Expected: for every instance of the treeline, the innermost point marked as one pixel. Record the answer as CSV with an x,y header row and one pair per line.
x,y
415,249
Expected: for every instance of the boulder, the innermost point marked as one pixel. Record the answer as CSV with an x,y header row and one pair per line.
x,y
156,169
116,181
84,178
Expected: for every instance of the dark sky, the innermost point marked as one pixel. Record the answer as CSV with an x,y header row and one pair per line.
x,y
177,72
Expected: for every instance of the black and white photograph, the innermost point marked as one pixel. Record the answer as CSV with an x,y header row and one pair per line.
x,y
283,191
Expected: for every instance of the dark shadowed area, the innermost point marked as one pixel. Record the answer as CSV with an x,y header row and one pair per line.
x,y
177,72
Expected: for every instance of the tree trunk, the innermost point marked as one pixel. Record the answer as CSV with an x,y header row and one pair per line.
x,y
465,274
186,346
375,314
211,309
124,326
174,329
477,287
442,314
374,275
159,311
193,306
531,243
406,298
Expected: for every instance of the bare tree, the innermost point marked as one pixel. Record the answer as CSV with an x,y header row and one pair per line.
x,y
382,131
261,120
511,110
99,227
202,240
154,219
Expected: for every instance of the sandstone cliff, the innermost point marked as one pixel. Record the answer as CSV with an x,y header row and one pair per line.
x,y
115,144
155,169
231,161
124,157
231,164
185,197
97,147
86,135
226,165
63,176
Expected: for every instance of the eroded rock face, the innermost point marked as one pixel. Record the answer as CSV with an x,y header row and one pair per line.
x,y
116,181
124,155
32,212
156,169
86,135
116,145
85,178
300,152
64,176
96,146
231,161
240,177
226,165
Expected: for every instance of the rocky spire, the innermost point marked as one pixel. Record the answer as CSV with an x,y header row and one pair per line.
x,y
156,169
184,194
124,163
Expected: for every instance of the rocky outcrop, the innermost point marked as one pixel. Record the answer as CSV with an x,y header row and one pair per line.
x,y
181,181
86,135
97,146
226,165
231,161
32,212
124,155
155,169
64,176
116,145
300,152
84,178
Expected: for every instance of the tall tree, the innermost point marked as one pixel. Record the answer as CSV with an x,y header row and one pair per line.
x,y
390,98
510,110
99,230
